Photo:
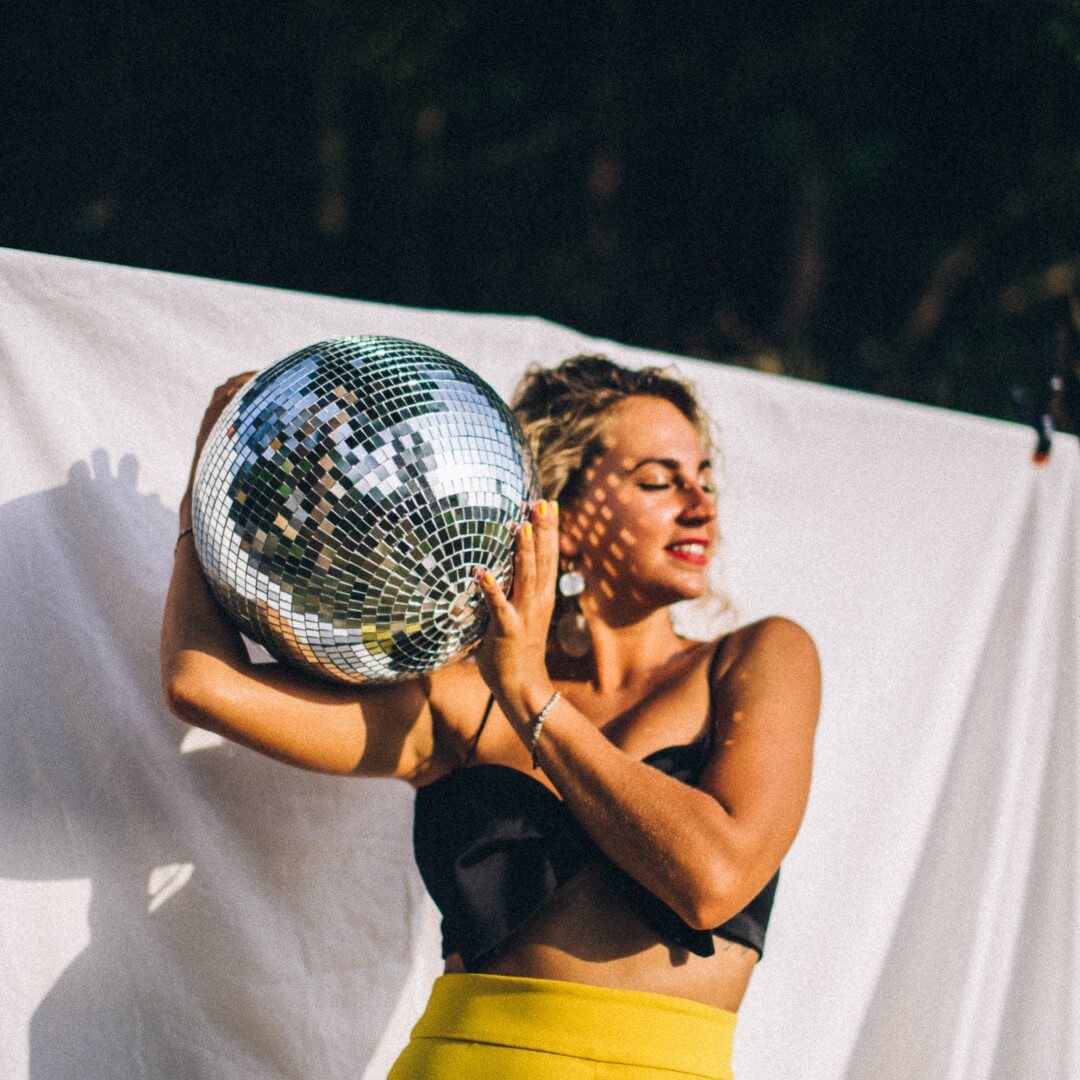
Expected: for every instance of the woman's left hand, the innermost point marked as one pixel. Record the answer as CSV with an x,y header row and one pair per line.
x,y
512,653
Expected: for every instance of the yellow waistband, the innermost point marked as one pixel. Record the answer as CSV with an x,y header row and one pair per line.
x,y
628,1027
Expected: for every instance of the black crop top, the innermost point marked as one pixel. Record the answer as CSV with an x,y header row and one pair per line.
x,y
492,844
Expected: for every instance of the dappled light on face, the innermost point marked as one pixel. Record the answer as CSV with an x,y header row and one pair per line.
x,y
641,526
648,490
588,525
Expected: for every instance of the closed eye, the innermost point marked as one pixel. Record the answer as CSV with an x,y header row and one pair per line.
x,y
651,469
708,488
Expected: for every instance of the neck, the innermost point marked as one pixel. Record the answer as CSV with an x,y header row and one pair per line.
x,y
626,650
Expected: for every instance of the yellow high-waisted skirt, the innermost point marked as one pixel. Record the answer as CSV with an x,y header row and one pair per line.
x,y
501,1027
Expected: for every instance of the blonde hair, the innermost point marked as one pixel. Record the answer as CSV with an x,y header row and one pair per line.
x,y
563,411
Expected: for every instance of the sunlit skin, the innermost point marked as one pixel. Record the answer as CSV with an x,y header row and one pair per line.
x,y
643,687
704,850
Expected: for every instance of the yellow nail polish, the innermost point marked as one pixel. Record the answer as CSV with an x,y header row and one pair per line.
x,y
526,531
555,507
541,508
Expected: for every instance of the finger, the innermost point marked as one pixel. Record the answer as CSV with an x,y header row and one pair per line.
x,y
229,389
497,603
219,402
524,566
547,549
242,379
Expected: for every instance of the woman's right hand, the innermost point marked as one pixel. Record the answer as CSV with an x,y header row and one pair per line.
x,y
221,397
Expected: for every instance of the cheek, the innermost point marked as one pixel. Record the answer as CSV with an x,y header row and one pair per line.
x,y
623,540
644,520
598,522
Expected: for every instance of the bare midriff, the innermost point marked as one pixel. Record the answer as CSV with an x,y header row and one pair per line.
x,y
587,933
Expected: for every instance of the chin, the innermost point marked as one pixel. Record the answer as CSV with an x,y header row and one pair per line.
x,y
676,592
690,594
663,585
688,576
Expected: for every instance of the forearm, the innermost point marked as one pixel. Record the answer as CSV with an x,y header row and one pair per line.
x,y
194,631
676,840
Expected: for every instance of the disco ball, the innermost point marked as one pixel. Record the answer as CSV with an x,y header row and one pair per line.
x,y
344,497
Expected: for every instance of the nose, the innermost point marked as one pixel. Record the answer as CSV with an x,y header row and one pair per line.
x,y
699,504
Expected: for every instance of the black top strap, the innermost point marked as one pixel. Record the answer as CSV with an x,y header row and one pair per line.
x,y
714,663
474,741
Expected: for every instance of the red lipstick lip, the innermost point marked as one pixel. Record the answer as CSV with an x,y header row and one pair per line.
x,y
686,556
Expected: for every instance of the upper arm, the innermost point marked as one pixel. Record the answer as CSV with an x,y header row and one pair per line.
x,y
765,708
376,729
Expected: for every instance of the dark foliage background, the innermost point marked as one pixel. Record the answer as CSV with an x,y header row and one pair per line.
x,y
882,195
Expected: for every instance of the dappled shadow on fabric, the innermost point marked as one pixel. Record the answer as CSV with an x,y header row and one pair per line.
x,y
241,911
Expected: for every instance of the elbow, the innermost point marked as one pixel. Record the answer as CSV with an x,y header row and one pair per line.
x,y
713,899
184,695
707,913
178,698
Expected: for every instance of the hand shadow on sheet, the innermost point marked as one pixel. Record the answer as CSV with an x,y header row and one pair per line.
x,y
246,918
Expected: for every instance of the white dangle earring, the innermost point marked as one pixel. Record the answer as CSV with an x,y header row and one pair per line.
x,y
572,631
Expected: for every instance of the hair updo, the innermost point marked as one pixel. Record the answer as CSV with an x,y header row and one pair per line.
x,y
562,411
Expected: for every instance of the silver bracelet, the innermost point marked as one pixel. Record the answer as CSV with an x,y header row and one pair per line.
x,y
189,531
538,725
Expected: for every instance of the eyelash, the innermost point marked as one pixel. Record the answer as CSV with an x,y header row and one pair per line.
x,y
707,488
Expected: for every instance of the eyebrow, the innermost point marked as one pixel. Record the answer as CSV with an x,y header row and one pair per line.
x,y
669,463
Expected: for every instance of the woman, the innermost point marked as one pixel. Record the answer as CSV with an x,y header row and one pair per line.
x,y
602,807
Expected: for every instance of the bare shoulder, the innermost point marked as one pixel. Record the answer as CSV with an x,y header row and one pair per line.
x,y
775,639
774,657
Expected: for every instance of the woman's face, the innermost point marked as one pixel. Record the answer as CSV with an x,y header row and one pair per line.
x,y
644,527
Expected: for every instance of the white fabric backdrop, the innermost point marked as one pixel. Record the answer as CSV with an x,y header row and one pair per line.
x,y
176,907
